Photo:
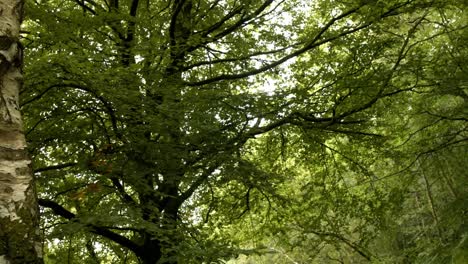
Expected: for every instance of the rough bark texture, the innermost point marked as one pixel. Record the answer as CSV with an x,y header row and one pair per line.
x,y
19,235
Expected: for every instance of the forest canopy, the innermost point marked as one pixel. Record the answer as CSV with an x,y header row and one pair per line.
x,y
241,131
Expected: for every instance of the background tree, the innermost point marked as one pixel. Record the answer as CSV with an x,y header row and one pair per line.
x,y
193,131
19,223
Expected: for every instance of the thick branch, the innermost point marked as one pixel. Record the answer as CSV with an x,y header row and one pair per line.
x,y
127,198
134,8
117,238
172,28
55,167
56,208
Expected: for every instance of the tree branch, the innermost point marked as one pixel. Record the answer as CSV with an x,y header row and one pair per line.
x,y
172,27
55,167
246,57
98,230
351,244
241,22
217,25
107,105
312,44
85,7
199,181
127,198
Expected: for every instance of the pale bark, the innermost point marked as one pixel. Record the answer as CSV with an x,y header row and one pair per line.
x,y
19,233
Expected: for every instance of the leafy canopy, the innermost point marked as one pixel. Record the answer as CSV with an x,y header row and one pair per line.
x,y
195,131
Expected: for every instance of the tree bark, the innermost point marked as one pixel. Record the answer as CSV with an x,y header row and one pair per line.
x,y
19,233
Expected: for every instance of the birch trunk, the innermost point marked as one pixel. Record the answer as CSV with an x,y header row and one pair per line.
x,y
19,233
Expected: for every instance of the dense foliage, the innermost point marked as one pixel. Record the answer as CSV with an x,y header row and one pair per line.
x,y
194,131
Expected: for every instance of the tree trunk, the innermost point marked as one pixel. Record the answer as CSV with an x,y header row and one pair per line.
x,y
19,233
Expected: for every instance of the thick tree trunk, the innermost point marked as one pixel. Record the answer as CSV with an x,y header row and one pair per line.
x,y
150,252
19,234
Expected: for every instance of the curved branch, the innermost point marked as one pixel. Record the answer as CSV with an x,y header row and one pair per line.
x,y
107,105
243,20
351,244
312,44
199,181
217,25
246,57
240,23
98,230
